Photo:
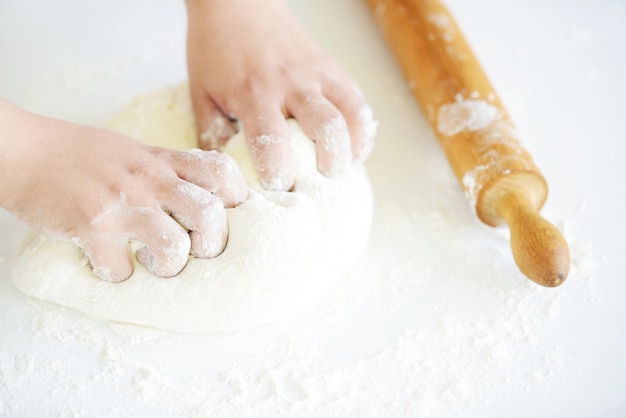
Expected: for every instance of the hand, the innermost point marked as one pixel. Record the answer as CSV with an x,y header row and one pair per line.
x,y
102,190
250,60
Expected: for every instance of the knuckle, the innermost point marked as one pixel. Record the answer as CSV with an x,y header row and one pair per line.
x,y
254,85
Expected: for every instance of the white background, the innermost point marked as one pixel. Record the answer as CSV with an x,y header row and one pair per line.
x,y
436,320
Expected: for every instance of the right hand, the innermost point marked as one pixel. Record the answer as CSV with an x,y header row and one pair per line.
x,y
102,190
252,61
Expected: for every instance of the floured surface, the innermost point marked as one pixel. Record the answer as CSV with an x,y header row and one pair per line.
x,y
429,325
284,250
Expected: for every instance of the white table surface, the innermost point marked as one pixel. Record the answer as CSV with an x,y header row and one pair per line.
x,y
438,324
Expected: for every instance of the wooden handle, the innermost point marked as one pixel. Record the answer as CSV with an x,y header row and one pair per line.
x,y
499,177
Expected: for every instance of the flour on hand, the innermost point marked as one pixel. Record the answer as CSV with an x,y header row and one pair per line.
x,y
284,250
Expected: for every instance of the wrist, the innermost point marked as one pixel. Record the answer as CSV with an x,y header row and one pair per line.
x,y
227,9
9,116
17,130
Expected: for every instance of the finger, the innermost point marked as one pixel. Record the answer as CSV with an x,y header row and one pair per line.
x,y
214,128
203,215
167,244
349,100
326,126
215,172
110,257
270,142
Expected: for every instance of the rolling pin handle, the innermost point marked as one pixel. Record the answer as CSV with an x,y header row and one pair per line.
x,y
538,247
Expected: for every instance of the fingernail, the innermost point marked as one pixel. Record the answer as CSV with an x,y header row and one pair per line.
x,y
277,183
218,132
273,165
146,258
233,189
152,264
337,146
202,247
369,129
103,273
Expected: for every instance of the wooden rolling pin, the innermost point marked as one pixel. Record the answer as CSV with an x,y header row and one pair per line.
x,y
499,177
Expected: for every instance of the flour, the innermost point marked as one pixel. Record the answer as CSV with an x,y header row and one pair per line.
x,y
447,367
471,187
442,21
428,322
466,115
450,344
285,249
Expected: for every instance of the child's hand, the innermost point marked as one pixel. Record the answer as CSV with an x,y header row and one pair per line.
x,y
102,190
250,60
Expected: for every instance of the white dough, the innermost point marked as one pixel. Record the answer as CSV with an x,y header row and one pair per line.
x,y
284,251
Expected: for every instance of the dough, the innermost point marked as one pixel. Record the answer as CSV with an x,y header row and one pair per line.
x,y
285,250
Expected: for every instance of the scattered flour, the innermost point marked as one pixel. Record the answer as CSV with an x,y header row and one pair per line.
x,y
434,353
471,186
451,338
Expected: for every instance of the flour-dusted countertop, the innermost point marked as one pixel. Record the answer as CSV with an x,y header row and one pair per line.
x,y
436,320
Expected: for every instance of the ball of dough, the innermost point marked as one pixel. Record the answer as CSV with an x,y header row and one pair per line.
x,y
285,249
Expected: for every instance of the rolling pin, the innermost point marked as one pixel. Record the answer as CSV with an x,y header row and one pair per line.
x,y
499,177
